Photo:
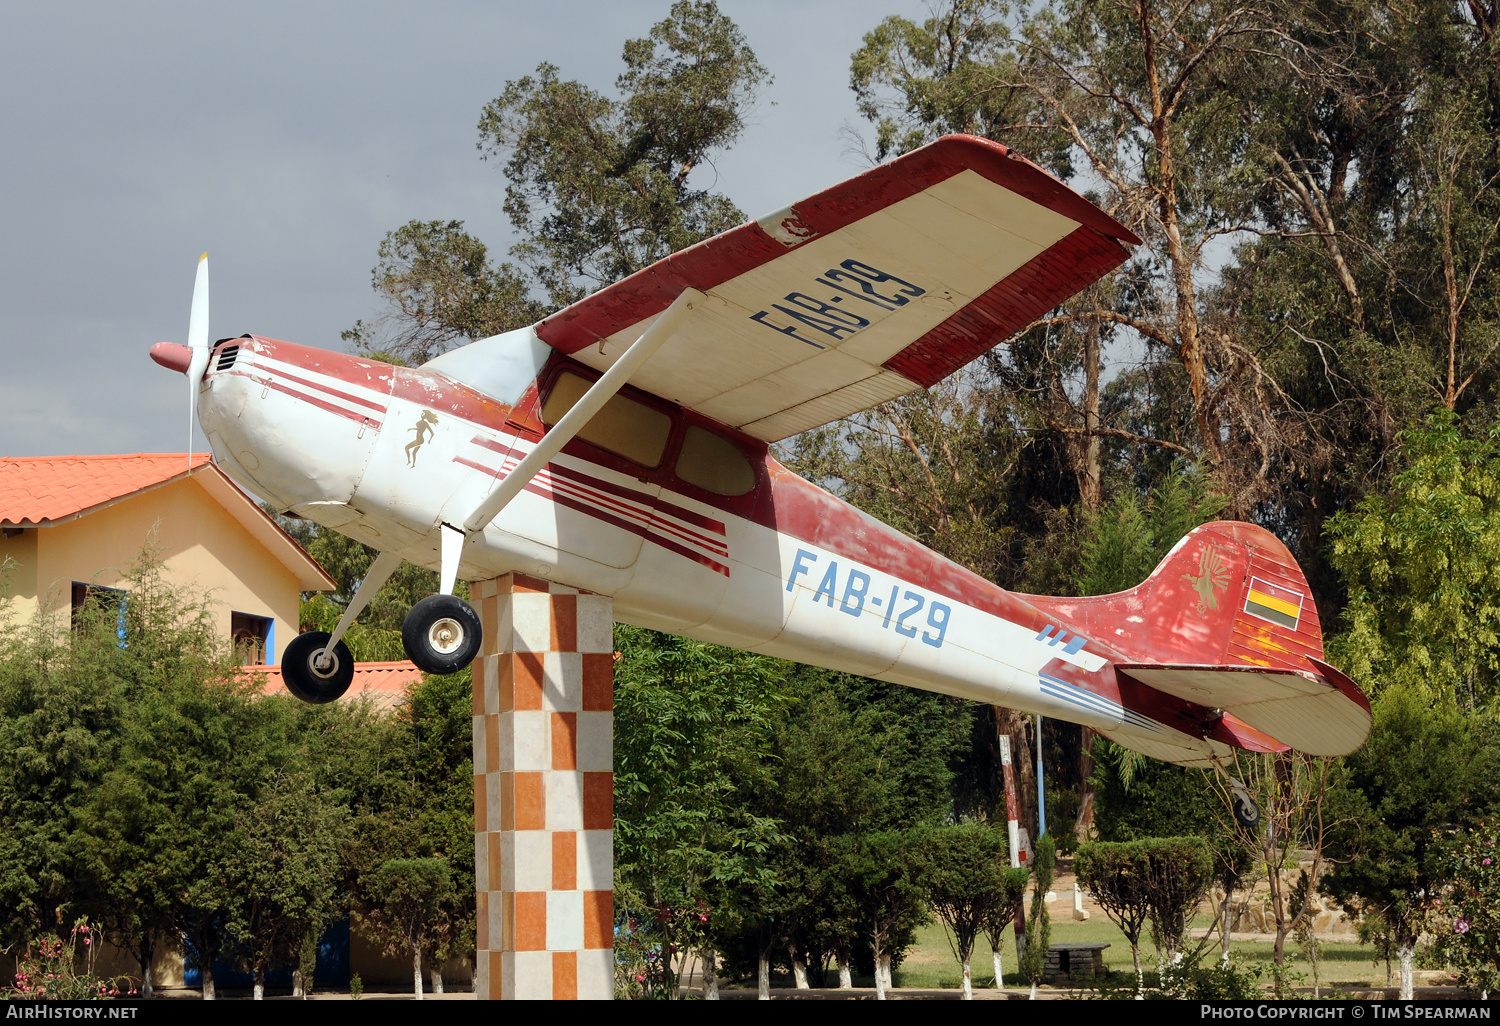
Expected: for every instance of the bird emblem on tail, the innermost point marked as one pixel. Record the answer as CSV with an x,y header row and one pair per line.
x,y
1213,575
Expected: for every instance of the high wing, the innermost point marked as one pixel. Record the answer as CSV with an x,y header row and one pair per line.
x,y
874,288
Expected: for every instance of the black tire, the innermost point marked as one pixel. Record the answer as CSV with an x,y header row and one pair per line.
x,y
305,679
441,634
1246,812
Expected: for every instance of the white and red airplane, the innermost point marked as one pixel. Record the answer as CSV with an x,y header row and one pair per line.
x,y
620,446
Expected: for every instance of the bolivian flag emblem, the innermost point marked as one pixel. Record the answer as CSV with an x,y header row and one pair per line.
x,y
1269,602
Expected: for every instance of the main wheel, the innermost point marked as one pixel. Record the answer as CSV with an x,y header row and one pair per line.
x,y
309,681
1246,812
441,634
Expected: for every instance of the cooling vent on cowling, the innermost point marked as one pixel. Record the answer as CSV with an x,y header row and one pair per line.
x,y
226,358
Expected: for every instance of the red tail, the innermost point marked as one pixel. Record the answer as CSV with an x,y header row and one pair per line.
x,y
1228,593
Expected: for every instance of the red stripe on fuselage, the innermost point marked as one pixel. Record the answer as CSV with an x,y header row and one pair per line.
x,y
640,530
354,415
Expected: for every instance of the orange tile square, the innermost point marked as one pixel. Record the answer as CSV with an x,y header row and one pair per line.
x,y
507,802
531,921
564,861
492,743
598,801
598,919
481,921
564,740
529,673
564,623
565,976
505,682
531,801
481,806
492,857
598,682
495,977
507,923
478,684
524,584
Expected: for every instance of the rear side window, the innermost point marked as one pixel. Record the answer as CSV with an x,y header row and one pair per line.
x,y
714,463
624,427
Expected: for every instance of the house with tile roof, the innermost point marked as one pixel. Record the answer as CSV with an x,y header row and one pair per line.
x,y
73,525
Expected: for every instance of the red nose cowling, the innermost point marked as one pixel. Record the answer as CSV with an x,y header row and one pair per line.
x,y
172,356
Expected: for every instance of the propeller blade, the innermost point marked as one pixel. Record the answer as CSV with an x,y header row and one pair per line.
x,y
198,343
198,321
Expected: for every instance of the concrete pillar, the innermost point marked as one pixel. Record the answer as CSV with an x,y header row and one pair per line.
x,y
543,791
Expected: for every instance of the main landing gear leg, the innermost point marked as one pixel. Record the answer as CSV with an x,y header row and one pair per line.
x,y
442,633
318,667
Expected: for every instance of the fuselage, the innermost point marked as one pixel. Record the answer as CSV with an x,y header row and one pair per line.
x,y
689,526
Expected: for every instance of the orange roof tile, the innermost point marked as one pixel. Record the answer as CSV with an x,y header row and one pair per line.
x,y
384,684
40,489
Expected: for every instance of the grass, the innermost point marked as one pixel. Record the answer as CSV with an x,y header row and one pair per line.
x,y
931,962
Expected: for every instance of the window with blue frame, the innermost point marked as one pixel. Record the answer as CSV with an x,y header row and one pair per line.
x,y
104,599
253,639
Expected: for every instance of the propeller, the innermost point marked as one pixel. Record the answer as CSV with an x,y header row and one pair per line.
x,y
191,359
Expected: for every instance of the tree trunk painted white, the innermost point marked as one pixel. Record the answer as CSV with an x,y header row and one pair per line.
x,y
968,983
879,978
765,977
147,990
1405,952
208,984
883,968
1135,957
846,979
799,972
437,980
710,975
259,993
1033,992
999,969
416,972
297,984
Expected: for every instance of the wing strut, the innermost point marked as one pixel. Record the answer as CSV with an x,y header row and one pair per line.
x,y
380,571
583,411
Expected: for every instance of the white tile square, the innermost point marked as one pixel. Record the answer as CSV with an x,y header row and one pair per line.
x,y
530,741
532,617
596,742
596,975
533,976
596,623
507,881
564,800
490,680
564,920
562,681
533,860
492,800
481,861
596,860
479,746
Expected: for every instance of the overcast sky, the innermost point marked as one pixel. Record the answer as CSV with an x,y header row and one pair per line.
x,y
286,140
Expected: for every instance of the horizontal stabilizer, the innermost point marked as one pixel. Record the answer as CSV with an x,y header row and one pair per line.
x,y
1322,713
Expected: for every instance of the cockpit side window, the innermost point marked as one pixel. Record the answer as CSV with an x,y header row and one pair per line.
x,y
625,427
714,463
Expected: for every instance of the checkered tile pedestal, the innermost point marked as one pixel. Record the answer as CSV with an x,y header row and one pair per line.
x,y
543,791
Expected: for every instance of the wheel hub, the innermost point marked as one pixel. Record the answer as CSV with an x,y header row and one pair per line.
x,y
446,635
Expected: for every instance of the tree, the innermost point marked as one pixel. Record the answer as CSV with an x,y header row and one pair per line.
x,y
598,187
1425,768
1421,568
1039,923
1116,874
968,884
886,886
407,898
442,290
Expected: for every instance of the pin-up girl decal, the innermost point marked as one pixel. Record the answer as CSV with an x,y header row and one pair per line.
x,y
423,432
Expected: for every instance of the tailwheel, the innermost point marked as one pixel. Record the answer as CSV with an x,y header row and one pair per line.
x,y
1246,812
441,634
306,678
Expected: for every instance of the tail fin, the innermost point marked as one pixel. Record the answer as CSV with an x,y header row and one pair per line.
x,y
1228,593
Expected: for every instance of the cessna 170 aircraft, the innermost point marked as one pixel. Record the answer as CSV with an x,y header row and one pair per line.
x,y
620,446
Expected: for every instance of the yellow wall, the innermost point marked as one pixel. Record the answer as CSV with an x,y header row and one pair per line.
x,y
19,584
201,545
